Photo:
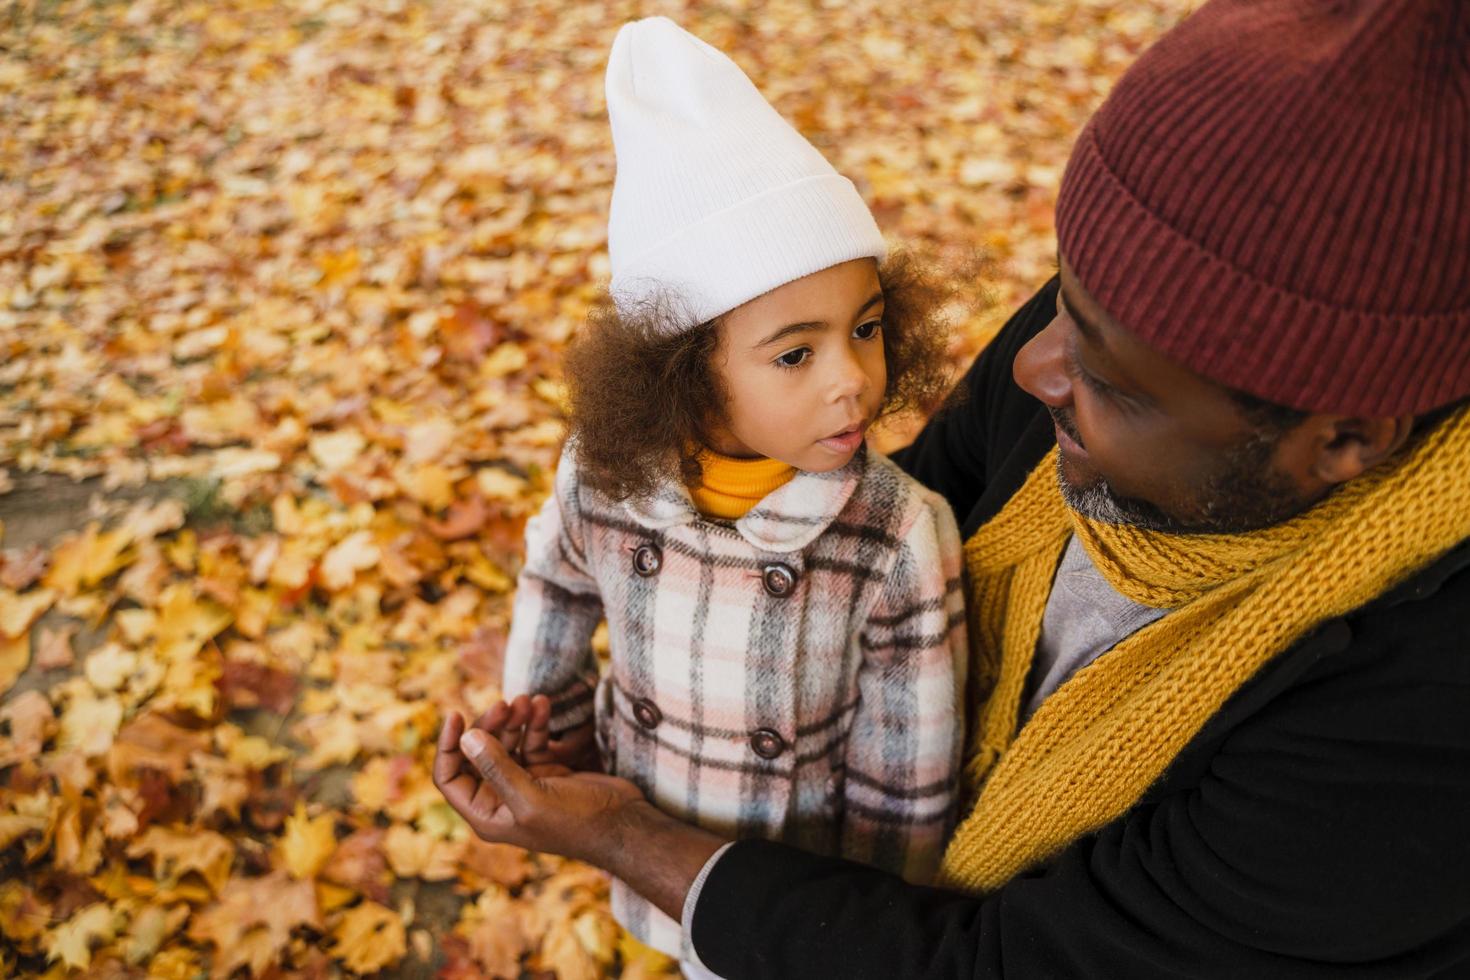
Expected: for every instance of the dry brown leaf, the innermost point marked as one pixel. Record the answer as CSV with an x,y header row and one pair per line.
x,y
251,923
417,855
152,741
177,852
360,864
494,928
31,722
53,647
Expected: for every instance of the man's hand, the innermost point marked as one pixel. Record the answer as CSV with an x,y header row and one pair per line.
x,y
592,817
542,806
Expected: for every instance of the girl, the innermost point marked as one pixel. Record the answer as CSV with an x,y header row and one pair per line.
x,y
784,608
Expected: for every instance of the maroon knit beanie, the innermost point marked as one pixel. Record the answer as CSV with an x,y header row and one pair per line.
x,y
1277,196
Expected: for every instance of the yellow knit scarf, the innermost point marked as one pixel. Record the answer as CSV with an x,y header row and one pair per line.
x,y
730,487
1097,743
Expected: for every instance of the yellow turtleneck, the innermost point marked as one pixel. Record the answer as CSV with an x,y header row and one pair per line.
x,y
730,487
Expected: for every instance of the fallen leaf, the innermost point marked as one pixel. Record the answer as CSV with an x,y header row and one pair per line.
x,y
19,611
53,648
464,518
251,923
15,656
308,842
179,851
415,855
345,559
73,940
31,722
360,864
369,938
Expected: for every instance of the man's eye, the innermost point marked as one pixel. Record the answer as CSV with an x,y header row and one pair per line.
x,y
793,358
867,331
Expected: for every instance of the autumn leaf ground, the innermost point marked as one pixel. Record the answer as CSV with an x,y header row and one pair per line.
x,y
283,288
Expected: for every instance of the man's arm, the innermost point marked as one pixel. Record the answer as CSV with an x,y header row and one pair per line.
x,y
1323,834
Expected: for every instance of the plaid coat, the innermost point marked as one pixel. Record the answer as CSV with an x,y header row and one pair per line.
x,y
796,675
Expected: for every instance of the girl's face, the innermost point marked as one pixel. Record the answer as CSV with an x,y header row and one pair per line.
x,y
803,368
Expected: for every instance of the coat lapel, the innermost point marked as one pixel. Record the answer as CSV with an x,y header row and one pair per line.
x,y
788,519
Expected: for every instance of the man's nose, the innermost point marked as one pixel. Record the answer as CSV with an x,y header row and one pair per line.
x,y
1040,368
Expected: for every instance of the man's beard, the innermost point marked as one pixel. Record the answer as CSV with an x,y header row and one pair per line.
x,y
1246,493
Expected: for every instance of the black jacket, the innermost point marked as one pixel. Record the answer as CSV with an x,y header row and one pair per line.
x,y
1318,826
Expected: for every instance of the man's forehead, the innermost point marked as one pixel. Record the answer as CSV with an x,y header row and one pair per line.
x,y
1152,371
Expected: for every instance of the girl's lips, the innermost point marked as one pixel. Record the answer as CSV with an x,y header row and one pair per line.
x,y
845,442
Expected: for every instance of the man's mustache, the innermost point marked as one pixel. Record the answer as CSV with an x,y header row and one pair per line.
x,y
1065,423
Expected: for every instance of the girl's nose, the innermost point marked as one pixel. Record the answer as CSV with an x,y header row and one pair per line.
x,y
1040,368
850,379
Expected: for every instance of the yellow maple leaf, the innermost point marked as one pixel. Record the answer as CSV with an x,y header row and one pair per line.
x,y
87,558
430,484
642,962
354,553
19,611
332,737
185,622
15,656
90,723
369,938
562,952
415,855
335,451
308,843
175,963
149,928
71,942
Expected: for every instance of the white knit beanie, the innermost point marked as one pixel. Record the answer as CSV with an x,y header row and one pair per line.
x,y
717,198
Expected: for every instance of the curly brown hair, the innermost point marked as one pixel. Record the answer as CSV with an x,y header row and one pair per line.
x,y
642,390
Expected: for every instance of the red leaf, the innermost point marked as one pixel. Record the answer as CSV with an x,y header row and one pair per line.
x,y
464,518
468,333
244,684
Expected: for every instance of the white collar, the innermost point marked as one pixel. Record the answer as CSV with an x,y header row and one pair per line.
x,y
787,519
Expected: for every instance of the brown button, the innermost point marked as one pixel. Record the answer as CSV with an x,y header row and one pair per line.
x,y
779,580
647,713
767,743
647,560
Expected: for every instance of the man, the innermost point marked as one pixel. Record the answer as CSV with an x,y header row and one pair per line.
x,y
1215,485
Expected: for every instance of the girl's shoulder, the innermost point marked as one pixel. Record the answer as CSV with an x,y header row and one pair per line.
x,y
889,499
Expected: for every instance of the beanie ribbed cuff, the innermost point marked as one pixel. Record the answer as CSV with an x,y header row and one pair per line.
x,y
1228,326
745,251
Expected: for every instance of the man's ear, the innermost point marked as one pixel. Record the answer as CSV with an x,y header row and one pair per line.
x,y
1343,447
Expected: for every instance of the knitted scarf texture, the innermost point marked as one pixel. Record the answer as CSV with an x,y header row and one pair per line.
x,y
1096,744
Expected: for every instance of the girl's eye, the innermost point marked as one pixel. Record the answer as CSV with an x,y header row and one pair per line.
x,y
793,358
867,331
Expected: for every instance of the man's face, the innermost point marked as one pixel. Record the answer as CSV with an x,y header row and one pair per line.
x,y
1144,441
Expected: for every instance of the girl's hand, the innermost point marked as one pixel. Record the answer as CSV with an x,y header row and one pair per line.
x,y
542,807
524,727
